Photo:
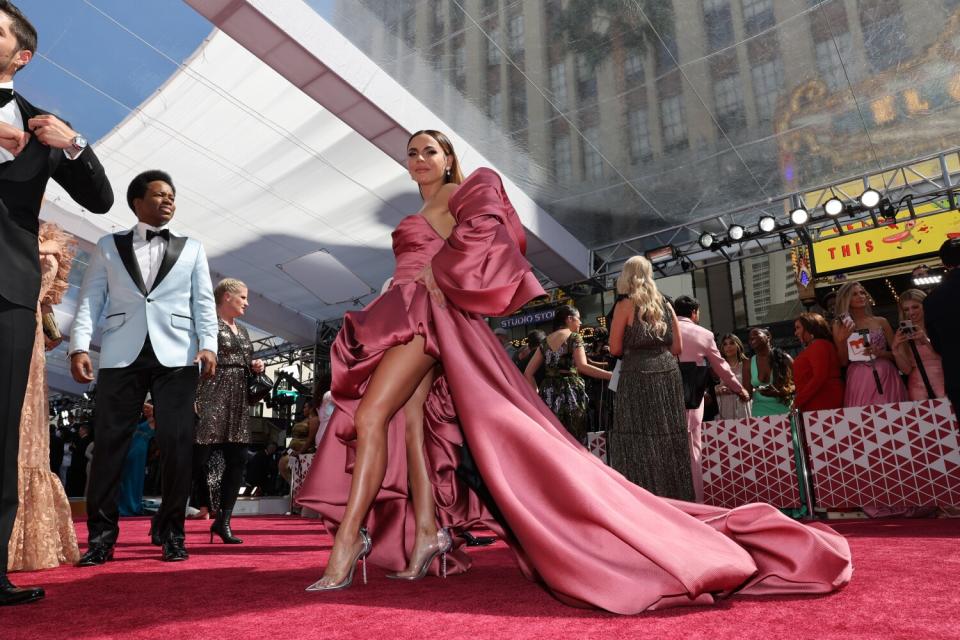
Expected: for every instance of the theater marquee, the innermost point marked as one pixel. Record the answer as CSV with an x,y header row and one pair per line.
x,y
903,240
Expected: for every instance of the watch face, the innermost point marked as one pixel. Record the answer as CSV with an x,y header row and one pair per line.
x,y
79,142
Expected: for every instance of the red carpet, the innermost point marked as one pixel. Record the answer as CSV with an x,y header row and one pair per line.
x,y
905,585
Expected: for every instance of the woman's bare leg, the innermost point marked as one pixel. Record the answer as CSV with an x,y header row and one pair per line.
x,y
421,488
397,377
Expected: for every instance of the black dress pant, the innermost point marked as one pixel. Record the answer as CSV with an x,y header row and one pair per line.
x,y
17,327
120,396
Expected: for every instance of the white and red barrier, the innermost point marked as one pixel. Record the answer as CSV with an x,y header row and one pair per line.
x,y
749,460
890,455
905,454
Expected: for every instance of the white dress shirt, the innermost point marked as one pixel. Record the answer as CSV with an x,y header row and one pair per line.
x,y
149,254
10,114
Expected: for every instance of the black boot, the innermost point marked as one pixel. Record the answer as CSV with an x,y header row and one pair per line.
x,y
221,527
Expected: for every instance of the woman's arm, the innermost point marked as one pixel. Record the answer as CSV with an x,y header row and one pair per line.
x,y
535,361
901,353
584,368
677,347
621,313
840,335
745,374
813,370
888,334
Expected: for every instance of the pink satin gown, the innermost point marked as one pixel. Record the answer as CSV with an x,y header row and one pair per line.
x,y
576,526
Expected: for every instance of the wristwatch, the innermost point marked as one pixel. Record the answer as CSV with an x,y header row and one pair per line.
x,y
78,144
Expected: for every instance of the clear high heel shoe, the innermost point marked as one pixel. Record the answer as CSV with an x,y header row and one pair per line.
x,y
444,546
366,545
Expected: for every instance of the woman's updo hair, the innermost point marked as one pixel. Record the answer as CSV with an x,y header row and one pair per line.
x,y
563,312
225,286
636,282
456,174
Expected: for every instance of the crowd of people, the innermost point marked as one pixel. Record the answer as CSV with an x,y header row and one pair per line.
x,y
429,428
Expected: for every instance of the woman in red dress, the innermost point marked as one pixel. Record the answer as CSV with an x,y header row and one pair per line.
x,y
816,371
435,431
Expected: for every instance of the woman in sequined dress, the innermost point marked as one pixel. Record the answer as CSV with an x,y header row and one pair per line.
x,y
223,417
648,443
565,360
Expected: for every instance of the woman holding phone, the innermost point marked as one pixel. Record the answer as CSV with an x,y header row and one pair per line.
x,y
911,342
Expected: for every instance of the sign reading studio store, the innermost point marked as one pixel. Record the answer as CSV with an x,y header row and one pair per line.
x,y
528,318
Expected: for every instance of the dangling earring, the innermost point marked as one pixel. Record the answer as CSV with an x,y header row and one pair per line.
x,y
447,174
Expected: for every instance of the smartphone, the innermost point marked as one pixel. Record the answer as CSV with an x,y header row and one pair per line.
x,y
847,320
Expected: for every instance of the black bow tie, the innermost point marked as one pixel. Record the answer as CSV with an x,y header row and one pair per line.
x,y
6,95
163,233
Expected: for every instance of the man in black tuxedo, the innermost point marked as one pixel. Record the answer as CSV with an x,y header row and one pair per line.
x,y
940,313
34,147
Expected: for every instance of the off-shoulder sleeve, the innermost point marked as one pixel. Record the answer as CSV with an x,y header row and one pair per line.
x,y
481,268
68,249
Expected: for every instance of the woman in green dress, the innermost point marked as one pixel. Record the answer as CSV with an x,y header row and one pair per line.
x,y
565,360
770,376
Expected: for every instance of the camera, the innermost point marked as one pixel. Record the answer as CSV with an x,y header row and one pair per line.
x,y
907,326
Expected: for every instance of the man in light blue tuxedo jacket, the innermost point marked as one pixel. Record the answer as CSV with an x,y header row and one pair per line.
x,y
160,326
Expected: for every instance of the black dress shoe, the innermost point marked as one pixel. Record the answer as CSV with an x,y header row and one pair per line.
x,y
174,551
96,555
10,595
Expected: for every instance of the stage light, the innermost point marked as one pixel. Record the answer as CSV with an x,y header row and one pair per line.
x,y
927,280
707,240
660,254
799,216
870,198
887,210
833,207
735,232
768,224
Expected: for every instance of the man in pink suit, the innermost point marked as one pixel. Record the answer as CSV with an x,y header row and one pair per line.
x,y
699,344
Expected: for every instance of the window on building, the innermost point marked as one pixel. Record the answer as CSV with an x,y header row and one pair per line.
x,y
829,61
518,106
586,78
667,54
592,160
767,81
558,85
633,66
495,106
673,121
718,18
493,46
884,37
638,135
728,100
562,161
757,15
409,28
515,33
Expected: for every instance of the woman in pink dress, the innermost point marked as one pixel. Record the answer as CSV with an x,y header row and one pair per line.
x,y
855,319
423,389
912,329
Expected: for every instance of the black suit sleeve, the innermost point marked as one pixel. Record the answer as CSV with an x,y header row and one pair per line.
x,y
85,181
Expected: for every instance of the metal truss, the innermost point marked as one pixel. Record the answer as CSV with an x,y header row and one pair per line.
x,y
926,177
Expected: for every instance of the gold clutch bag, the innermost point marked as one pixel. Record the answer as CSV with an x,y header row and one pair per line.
x,y
50,328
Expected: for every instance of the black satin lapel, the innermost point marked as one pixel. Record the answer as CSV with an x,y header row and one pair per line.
x,y
174,248
124,242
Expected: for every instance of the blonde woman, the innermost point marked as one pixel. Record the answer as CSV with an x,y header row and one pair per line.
x,y
913,329
223,415
862,341
648,442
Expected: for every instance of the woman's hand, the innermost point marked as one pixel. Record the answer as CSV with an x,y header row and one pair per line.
x,y
768,390
900,338
426,278
257,366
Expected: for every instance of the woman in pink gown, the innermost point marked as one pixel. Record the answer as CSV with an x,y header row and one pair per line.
x,y
488,445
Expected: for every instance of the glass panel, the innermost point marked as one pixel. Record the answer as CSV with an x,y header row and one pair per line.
x,y
693,108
